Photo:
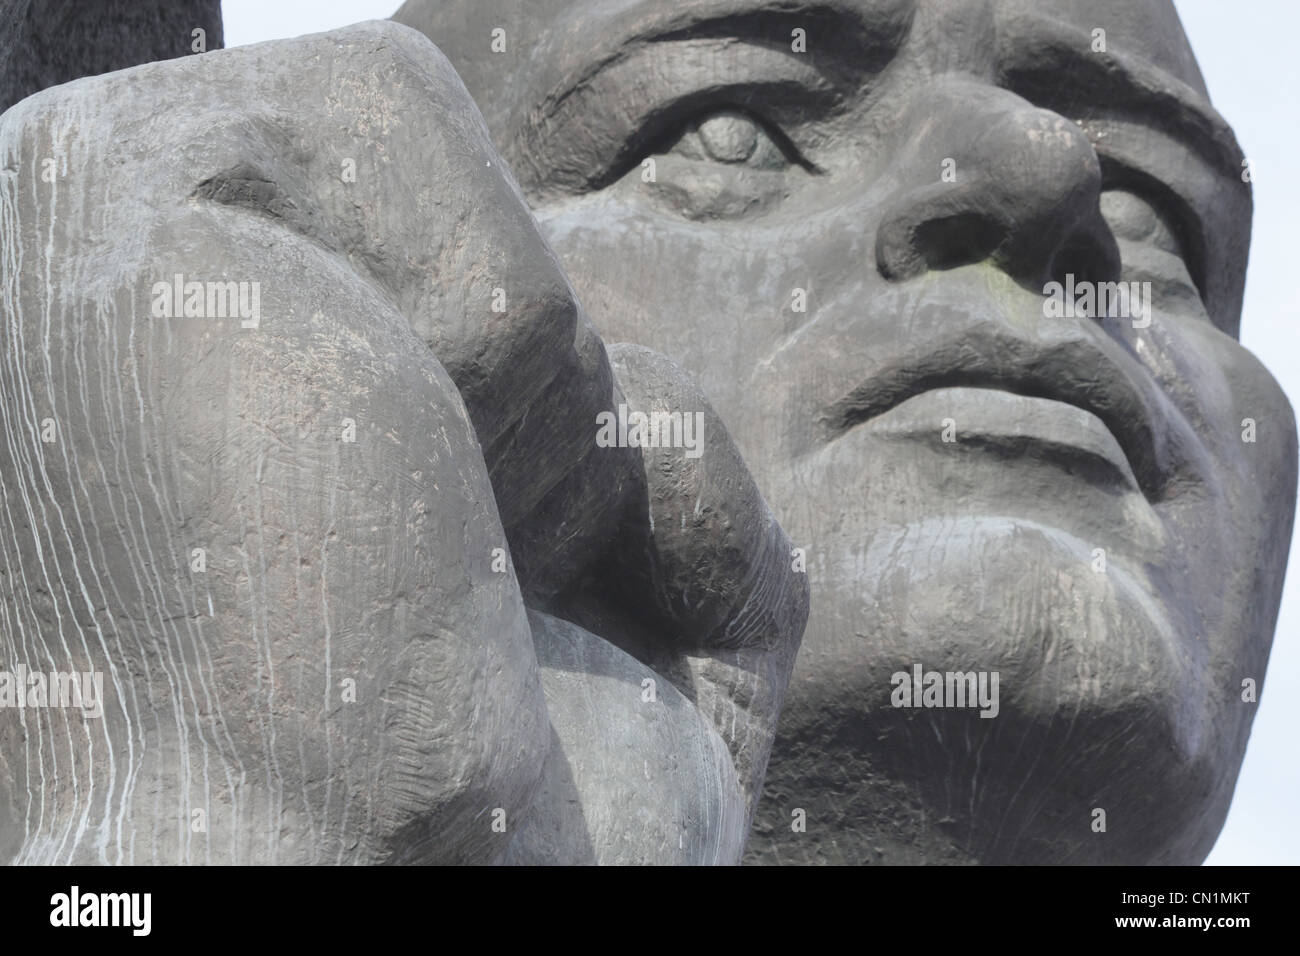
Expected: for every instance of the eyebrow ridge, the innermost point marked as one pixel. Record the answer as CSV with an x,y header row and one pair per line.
x,y
849,43
1147,90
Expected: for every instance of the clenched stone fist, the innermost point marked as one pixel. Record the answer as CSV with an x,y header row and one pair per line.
x,y
299,424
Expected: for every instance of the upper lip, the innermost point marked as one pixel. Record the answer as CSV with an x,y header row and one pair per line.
x,y
1083,366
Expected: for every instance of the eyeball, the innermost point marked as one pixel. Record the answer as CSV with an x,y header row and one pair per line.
x,y
731,137
1132,217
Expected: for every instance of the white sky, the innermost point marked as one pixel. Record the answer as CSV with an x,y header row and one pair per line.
x,y
1253,74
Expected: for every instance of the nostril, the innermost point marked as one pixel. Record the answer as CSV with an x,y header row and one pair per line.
x,y
938,228
959,240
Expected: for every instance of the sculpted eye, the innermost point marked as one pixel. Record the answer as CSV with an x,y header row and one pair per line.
x,y
1155,246
723,164
1134,217
730,136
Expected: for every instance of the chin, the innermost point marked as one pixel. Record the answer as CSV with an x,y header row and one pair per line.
x,y
1101,705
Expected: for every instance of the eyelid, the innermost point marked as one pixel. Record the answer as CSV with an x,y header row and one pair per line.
x,y
583,139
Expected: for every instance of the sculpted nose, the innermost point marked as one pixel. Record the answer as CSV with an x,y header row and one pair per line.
x,y
993,177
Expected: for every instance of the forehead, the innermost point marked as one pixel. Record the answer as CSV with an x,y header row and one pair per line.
x,y
1148,30
558,35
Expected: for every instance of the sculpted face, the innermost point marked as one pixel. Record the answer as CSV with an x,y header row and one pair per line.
x,y
854,211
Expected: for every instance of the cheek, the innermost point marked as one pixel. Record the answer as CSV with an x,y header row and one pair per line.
x,y
1228,539
1252,437
620,263
718,300
1240,412
648,278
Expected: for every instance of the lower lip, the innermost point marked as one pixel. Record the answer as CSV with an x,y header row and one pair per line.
x,y
1010,426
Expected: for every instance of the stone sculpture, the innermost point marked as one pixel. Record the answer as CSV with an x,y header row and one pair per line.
x,y
311,450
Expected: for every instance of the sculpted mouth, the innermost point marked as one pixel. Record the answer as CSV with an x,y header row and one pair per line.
x,y
1012,426
1010,391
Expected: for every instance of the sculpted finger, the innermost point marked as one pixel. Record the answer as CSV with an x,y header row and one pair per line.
x,y
389,164
714,561
635,773
703,557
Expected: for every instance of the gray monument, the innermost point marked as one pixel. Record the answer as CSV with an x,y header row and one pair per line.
x,y
313,457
